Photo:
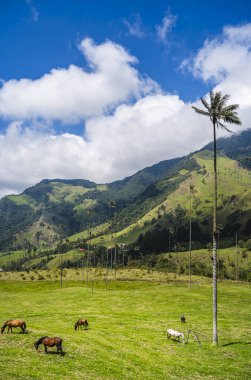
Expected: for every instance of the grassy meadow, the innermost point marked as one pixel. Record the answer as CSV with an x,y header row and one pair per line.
x,y
126,338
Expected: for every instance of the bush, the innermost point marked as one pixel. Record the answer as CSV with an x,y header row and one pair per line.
x,y
244,254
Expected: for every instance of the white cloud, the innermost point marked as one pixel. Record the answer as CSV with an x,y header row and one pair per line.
x,y
223,56
226,61
165,27
135,27
73,94
155,127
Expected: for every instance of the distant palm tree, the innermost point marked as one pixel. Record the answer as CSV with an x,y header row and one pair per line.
x,y
192,191
219,112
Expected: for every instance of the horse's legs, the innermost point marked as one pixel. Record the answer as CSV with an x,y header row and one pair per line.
x,y
59,348
45,349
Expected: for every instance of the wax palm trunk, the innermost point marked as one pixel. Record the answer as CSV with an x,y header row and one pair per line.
x,y
218,111
215,232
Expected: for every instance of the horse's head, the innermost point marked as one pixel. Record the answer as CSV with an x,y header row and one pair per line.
x,y
2,329
38,342
75,326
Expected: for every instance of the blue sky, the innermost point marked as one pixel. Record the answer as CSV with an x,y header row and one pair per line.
x,y
169,54
31,46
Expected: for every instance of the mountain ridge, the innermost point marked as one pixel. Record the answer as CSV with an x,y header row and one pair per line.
x,y
58,208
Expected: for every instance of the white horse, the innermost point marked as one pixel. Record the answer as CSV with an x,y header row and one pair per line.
x,y
176,334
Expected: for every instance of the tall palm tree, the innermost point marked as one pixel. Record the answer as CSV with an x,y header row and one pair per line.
x,y
219,112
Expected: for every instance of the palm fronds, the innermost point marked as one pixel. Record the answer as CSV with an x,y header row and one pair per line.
x,y
219,111
201,111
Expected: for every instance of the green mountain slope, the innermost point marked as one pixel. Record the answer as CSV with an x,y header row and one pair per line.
x,y
237,147
58,208
148,204
168,208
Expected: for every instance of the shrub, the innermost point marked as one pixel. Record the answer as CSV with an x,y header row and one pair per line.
x,y
244,254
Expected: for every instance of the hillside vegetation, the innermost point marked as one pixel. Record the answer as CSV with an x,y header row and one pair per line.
x,y
149,213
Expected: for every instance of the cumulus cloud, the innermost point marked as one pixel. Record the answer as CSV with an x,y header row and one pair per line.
x,y
154,127
165,27
73,94
226,62
224,55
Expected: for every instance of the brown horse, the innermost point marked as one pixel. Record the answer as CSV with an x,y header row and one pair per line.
x,y
81,322
50,342
14,323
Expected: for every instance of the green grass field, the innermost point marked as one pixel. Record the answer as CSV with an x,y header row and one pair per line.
x,y
126,338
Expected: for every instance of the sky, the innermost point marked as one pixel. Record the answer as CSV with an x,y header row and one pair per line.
x,y
101,89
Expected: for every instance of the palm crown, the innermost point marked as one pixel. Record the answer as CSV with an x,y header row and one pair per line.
x,y
218,111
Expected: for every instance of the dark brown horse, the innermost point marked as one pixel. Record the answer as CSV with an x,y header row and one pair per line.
x,y
14,323
81,322
50,342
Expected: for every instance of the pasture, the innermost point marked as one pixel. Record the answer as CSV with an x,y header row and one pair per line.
x,y
126,338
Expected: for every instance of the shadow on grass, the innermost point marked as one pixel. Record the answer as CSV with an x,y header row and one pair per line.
x,y
232,343
56,353
18,332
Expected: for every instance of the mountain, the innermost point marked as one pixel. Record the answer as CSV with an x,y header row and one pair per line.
x,y
58,208
237,147
165,205
148,203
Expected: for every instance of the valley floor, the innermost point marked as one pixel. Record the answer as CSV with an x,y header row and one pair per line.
x,y
126,338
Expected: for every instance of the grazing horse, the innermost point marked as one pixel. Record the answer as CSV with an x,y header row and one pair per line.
x,y
81,322
50,342
182,319
176,335
14,323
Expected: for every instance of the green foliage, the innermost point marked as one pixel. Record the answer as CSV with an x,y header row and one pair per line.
x,y
237,147
154,199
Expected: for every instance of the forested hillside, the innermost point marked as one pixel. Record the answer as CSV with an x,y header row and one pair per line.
x,y
148,209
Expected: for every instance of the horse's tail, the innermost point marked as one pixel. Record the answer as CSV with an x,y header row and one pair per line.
x,y
39,341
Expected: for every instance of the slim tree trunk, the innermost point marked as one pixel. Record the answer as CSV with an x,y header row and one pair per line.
x,y
115,259
106,275
190,239
83,269
61,271
87,266
215,232
237,264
